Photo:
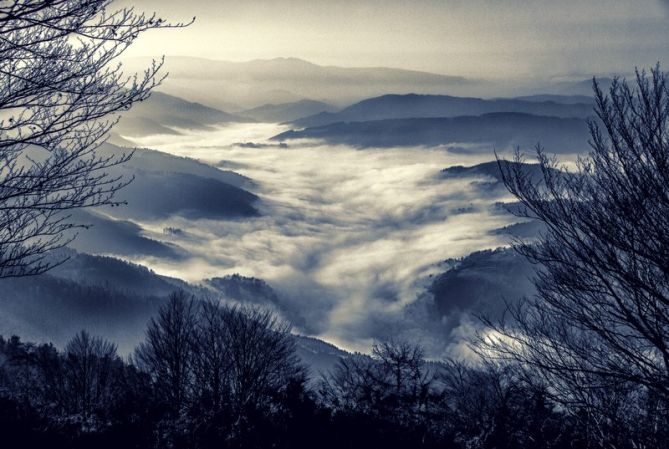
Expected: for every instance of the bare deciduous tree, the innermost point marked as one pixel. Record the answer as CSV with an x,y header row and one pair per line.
x,y
600,321
167,352
60,89
261,356
90,363
211,357
403,368
395,383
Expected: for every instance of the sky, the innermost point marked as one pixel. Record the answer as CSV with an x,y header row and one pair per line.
x,y
474,38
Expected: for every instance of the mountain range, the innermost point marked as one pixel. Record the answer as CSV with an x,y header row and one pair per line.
x,y
337,105
424,106
235,86
502,131
239,86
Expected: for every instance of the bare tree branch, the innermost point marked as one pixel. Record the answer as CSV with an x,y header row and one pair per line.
x,y
60,93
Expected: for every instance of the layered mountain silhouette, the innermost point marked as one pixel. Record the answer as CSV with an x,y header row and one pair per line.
x,y
287,112
166,114
424,106
107,235
114,299
282,80
147,159
498,130
563,99
162,185
165,185
238,86
154,194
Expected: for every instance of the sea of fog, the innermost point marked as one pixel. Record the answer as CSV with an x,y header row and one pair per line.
x,y
347,237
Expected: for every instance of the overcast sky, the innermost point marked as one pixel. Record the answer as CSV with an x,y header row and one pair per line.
x,y
480,38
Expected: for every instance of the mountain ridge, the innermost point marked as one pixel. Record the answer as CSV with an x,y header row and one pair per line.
x,y
250,84
396,106
502,130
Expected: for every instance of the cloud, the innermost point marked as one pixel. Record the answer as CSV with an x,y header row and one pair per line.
x,y
348,238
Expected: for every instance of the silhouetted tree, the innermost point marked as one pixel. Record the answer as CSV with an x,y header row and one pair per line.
x,y
404,374
65,399
92,368
598,330
262,359
59,90
222,370
33,374
167,353
394,383
490,405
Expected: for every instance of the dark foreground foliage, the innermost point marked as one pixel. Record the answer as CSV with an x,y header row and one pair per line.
x,y
210,375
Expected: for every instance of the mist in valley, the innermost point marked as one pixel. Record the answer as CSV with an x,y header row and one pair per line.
x,y
348,238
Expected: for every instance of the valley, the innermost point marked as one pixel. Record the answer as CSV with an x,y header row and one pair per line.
x,y
384,218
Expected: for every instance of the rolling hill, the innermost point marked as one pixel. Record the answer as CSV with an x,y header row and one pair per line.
x,y
482,281
498,130
111,298
162,185
425,106
492,170
287,112
165,185
107,235
282,80
166,114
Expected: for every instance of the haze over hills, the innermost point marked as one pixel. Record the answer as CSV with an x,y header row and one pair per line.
x,y
481,282
556,98
422,231
169,189
287,112
281,80
583,87
114,298
503,131
166,114
123,238
163,186
294,244
148,159
238,86
492,170
423,106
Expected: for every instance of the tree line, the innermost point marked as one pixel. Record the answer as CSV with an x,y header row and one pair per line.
x,y
215,375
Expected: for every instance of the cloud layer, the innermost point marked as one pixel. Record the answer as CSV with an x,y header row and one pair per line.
x,y
345,236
